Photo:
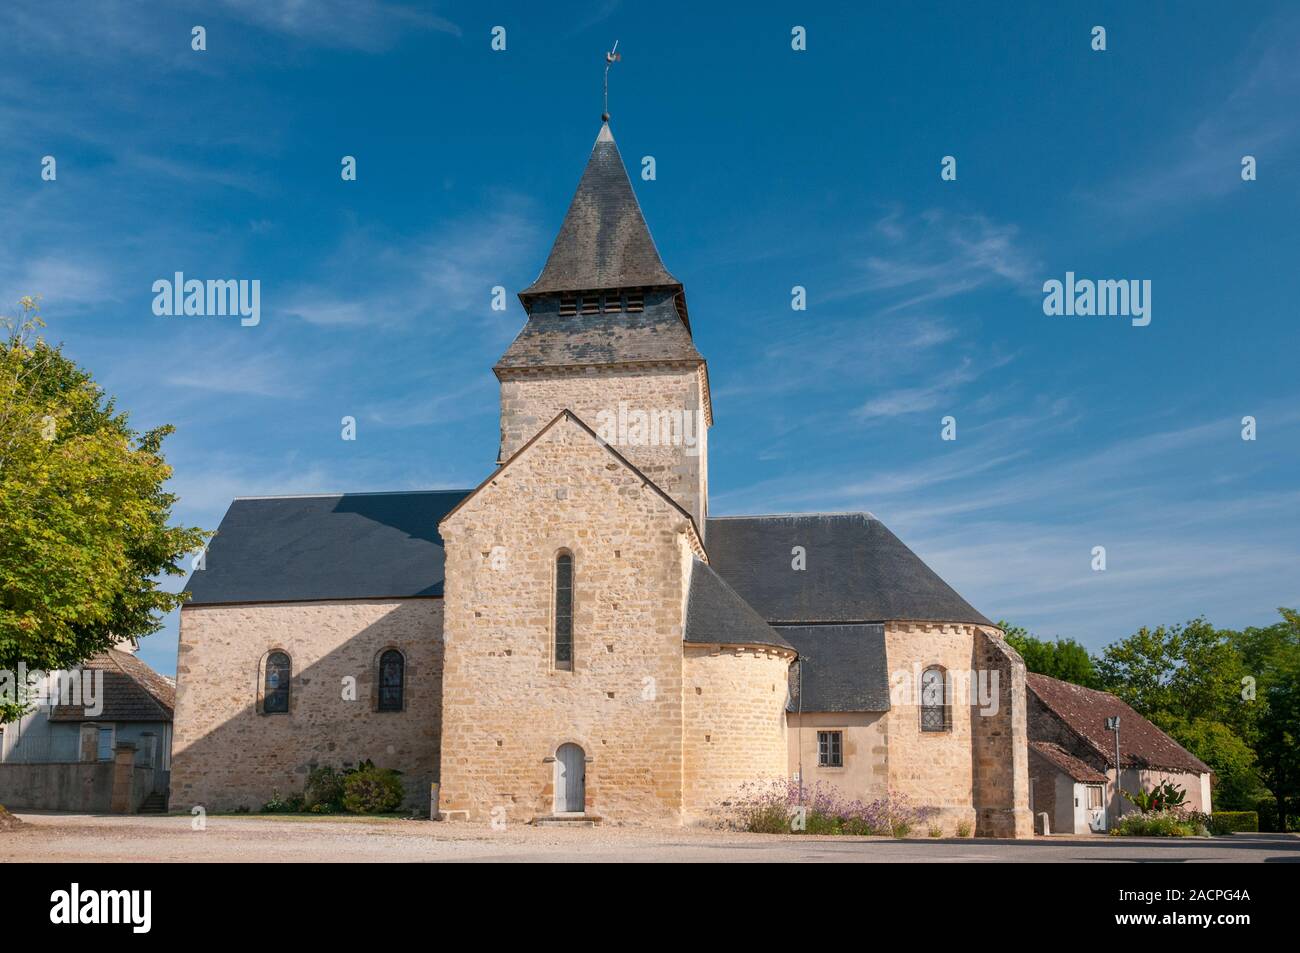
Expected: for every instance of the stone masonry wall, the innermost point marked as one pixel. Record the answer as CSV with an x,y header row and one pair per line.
x,y
1000,744
865,772
507,707
932,768
227,754
531,400
735,730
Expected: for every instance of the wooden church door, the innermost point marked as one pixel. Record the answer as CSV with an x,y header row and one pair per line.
x,y
570,779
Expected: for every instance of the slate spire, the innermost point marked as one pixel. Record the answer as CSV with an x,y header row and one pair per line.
x,y
604,242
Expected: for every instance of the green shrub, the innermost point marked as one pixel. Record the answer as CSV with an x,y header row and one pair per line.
x,y
1165,796
766,819
858,827
1268,821
283,805
783,806
1226,822
371,790
963,829
935,830
1165,824
819,822
324,791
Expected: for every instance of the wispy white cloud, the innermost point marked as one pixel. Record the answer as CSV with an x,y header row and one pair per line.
x,y
243,369
474,397
896,402
377,278
126,28
59,281
1257,116
1010,513
369,25
940,256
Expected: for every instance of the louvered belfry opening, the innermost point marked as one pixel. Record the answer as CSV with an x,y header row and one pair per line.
x,y
601,302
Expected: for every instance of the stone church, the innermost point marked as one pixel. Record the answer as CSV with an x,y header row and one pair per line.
x,y
579,636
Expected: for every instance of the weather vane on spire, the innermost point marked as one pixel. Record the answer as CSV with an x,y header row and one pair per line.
x,y
611,58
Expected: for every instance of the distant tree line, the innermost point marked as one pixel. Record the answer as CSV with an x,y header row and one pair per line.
x,y
1230,697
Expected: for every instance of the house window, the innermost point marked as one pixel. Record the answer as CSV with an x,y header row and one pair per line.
x,y
275,699
830,749
1094,796
590,304
635,302
568,305
612,303
564,611
104,751
936,715
392,671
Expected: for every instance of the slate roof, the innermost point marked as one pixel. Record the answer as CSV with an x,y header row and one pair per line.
x,y
603,241
857,571
132,691
549,340
1062,760
844,667
1085,710
341,546
716,615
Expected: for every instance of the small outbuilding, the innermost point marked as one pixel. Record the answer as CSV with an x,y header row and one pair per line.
x,y
1072,776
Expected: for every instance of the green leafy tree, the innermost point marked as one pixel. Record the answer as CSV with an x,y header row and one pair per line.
x,y
1139,669
1229,755
1188,680
84,518
1065,659
1271,658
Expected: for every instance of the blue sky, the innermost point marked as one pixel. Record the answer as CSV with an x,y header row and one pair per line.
x,y
775,168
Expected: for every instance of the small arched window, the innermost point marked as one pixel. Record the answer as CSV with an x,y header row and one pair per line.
x,y
564,611
275,695
392,674
935,711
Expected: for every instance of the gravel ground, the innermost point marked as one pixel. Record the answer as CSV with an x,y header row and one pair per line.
x,y
80,838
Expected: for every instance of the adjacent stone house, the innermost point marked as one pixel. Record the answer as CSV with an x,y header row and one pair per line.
x,y
1072,757
65,752
579,636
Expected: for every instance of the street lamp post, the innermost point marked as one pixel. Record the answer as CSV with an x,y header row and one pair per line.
x,y
1112,724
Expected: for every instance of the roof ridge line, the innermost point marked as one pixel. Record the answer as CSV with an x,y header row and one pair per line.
x,y
777,516
604,444
324,496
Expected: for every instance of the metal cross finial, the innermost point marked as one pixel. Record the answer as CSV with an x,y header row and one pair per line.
x,y
611,58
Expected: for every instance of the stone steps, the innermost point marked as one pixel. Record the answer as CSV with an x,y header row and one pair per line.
x,y
566,820
155,803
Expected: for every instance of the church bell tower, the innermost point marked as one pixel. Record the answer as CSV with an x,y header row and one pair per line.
x,y
608,337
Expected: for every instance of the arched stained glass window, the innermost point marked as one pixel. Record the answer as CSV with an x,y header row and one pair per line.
x,y
275,697
934,700
392,671
564,611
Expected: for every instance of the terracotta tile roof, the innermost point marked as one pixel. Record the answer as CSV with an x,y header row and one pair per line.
x,y
1072,766
132,691
1085,710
